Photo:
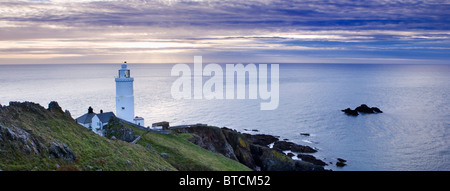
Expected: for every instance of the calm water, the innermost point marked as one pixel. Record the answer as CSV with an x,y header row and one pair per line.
x,y
413,133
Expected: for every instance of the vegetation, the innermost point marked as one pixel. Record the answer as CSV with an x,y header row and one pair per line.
x,y
185,155
28,133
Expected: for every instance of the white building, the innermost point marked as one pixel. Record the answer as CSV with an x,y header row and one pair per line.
x,y
95,121
139,121
124,94
125,97
124,105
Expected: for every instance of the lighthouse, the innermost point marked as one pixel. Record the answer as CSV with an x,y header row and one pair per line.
x,y
124,94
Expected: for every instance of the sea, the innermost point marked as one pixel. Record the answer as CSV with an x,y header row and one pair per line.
x,y
412,133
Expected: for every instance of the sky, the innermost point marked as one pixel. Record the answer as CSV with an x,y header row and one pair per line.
x,y
225,31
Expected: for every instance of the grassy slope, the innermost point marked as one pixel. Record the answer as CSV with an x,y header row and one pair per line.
x,y
95,152
187,156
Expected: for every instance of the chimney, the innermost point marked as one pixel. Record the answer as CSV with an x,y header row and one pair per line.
x,y
101,110
90,110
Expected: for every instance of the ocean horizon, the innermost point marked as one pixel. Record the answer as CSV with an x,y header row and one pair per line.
x,y
412,133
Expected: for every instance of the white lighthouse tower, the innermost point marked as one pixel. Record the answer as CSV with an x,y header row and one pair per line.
x,y
124,94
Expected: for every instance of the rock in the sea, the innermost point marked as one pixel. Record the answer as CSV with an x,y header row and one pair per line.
x,y
290,155
302,149
305,134
260,139
351,112
341,162
377,110
311,159
284,145
363,108
274,161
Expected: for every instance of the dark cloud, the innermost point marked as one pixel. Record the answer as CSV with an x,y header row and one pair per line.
x,y
290,27
322,15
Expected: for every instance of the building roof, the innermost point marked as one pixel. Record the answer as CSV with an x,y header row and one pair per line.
x,y
138,118
104,117
87,118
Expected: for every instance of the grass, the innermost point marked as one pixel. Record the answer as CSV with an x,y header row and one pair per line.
x,y
94,152
187,156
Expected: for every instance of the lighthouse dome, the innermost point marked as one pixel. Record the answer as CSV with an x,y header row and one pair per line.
x,y
124,65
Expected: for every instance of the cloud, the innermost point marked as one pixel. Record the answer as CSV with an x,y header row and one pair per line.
x,y
96,28
233,14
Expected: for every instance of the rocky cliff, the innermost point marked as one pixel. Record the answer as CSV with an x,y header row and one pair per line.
x,y
35,138
251,150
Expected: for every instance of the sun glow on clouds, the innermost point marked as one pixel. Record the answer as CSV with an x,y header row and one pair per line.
x,y
223,31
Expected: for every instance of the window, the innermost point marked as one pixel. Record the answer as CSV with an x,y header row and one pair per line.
x,y
123,108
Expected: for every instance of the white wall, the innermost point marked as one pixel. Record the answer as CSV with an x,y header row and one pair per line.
x,y
125,99
96,123
139,122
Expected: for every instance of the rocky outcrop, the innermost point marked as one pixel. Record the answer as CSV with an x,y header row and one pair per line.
x,y
54,106
284,146
116,129
23,140
351,112
311,159
15,109
210,138
250,150
341,162
302,149
20,140
260,139
61,150
272,160
363,108
241,147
